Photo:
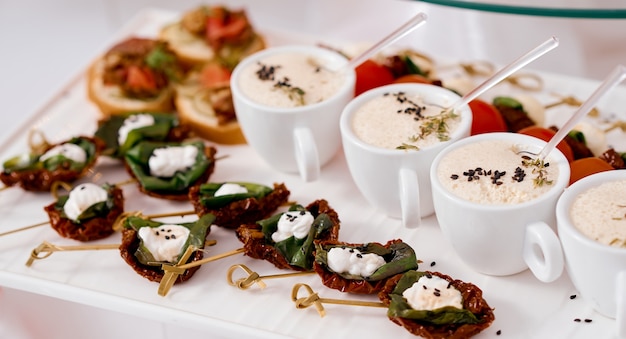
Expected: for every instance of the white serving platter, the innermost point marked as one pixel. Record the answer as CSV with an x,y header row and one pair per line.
x,y
524,307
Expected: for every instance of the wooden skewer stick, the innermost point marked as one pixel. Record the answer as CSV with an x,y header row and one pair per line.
x,y
526,81
173,271
571,101
171,274
254,278
24,228
313,299
46,249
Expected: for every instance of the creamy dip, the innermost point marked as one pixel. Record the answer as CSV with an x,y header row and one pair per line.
x,y
289,80
293,224
490,172
166,161
431,292
600,213
133,122
351,260
398,120
81,198
68,150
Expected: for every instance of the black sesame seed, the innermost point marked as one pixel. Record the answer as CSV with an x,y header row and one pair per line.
x,y
498,332
157,233
173,236
437,294
573,296
358,255
454,176
429,276
577,320
424,286
432,264
588,320
167,237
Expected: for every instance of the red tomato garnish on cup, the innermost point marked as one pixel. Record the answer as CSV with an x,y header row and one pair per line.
x,y
370,75
546,134
486,118
587,166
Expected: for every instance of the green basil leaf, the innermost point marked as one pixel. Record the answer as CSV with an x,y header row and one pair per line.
x,y
162,60
137,159
198,231
507,102
399,258
21,163
413,67
578,136
108,131
298,252
100,209
31,161
208,198
441,316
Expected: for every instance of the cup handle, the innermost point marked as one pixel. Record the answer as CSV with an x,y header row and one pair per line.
x,y
306,154
409,198
620,314
542,252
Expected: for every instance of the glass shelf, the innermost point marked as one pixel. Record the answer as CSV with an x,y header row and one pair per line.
x,y
602,9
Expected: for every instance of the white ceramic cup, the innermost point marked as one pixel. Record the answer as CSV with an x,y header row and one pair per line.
x,y
503,239
299,139
397,181
598,271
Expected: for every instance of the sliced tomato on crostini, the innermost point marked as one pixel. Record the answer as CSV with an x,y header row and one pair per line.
x,y
140,78
214,75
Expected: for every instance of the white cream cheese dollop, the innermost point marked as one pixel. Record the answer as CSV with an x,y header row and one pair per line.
x,y
230,188
165,162
82,197
351,260
293,223
133,122
164,242
68,150
432,292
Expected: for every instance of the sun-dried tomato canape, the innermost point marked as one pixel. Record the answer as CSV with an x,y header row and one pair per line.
x,y
433,305
237,203
362,268
287,239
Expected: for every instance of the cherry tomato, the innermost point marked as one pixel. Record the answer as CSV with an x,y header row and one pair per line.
x,y
486,118
546,134
370,75
420,79
140,78
587,166
214,75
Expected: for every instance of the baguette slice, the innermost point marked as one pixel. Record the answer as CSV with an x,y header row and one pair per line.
x,y
111,101
195,110
193,49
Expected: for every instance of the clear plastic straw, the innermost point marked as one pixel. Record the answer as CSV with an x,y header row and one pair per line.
x,y
614,78
389,39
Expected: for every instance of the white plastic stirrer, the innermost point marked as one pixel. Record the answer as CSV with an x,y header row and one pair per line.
x,y
614,78
389,39
513,67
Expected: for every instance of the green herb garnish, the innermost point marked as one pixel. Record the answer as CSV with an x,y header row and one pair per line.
x,y
538,167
